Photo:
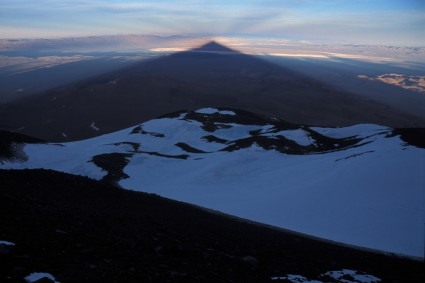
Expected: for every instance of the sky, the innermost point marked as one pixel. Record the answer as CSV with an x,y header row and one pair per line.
x,y
387,22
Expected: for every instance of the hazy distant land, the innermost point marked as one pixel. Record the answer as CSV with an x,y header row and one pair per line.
x,y
28,66
137,78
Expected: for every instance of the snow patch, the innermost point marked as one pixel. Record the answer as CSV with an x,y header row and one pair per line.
x,y
302,193
299,136
227,112
33,277
113,82
206,111
361,130
311,194
6,243
214,110
70,158
357,277
343,276
296,279
93,126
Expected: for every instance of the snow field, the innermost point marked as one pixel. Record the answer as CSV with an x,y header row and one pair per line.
x,y
370,196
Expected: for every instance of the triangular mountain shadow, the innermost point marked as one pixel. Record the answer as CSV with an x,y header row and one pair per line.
x,y
213,46
219,77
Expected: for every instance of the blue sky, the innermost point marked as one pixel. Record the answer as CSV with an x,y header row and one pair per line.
x,y
395,22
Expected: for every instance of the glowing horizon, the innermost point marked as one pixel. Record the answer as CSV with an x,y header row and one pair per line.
x,y
391,22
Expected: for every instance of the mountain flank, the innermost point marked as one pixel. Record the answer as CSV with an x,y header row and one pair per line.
x,y
209,76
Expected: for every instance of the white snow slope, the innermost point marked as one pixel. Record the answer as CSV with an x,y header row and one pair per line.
x,y
359,185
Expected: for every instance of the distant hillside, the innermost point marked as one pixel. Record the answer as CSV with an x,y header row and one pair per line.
x,y
191,80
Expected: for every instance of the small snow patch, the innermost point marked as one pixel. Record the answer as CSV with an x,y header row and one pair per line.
x,y
6,243
296,279
360,130
206,111
21,128
214,110
93,126
343,276
301,137
113,82
227,112
357,276
33,277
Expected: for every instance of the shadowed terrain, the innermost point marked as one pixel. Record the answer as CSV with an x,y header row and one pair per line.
x,y
209,76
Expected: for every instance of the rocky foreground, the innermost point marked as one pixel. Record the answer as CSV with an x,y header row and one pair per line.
x,y
80,230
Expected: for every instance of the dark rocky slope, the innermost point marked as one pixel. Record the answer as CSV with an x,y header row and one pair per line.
x,y
81,230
